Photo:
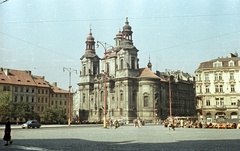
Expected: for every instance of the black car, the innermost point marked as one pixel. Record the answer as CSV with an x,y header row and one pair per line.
x,y
31,124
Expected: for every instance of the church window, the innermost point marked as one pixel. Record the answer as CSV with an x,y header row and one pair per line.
x,y
94,68
145,99
84,70
112,112
133,63
84,98
121,97
121,112
121,64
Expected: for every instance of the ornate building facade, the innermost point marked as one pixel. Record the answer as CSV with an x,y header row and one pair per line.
x,y
131,91
218,89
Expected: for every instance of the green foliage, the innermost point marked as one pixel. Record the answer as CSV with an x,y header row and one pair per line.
x,y
54,115
20,110
5,106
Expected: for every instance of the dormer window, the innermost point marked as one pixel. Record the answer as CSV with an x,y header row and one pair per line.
x,y
217,64
231,63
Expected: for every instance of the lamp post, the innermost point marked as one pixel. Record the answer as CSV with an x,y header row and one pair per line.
x,y
105,46
202,107
170,95
154,113
69,93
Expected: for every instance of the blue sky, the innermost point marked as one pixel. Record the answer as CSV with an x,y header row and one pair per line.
x,y
46,35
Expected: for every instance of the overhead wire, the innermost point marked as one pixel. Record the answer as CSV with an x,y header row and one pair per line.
x,y
41,47
109,19
155,17
195,41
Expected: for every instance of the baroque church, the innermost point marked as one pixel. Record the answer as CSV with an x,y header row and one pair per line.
x,y
129,91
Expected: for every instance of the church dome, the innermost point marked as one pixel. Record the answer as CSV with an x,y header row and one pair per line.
x,y
119,34
90,37
127,27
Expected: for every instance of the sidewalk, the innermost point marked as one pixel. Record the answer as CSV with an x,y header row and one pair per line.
x,y
16,126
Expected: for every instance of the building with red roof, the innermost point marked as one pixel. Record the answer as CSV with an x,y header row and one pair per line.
x,y
22,86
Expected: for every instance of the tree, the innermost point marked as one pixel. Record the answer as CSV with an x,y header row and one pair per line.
x,y
5,106
20,110
54,115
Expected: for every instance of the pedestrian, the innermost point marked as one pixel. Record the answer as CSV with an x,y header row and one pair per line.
x,y
7,132
116,124
139,122
111,123
181,123
171,124
134,122
143,123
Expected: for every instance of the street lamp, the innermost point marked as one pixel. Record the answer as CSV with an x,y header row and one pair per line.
x,y
105,46
69,93
170,95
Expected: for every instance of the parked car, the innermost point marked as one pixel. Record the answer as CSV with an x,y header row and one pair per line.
x,y
31,124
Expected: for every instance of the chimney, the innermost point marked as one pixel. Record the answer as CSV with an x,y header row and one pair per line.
x,y
54,84
29,72
6,71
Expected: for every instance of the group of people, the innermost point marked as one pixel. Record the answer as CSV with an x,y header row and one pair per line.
x,y
138,122
113,123
171,125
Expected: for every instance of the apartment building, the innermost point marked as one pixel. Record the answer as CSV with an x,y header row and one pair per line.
x,y
22,86
218,89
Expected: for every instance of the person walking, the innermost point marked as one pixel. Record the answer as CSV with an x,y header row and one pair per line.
x,y
7,132
139,122
116,124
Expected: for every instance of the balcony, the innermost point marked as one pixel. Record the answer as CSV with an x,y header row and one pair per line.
x,y
220,107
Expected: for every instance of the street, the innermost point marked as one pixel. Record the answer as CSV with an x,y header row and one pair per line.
x,y
95,137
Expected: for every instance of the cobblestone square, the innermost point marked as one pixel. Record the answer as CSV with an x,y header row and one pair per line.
x,y
95,137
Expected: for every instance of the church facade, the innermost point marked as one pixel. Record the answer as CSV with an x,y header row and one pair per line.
x,y
129,91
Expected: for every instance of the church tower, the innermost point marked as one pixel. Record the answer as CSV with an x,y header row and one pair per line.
x,y
90,61
127,57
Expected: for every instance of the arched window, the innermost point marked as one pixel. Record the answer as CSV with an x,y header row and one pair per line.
x,y
133,62
121,97
145,101
121,112
121,64
84,97
84,70
112,112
